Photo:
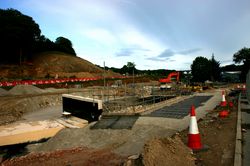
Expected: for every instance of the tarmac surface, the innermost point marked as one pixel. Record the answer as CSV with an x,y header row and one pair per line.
x,y
181,109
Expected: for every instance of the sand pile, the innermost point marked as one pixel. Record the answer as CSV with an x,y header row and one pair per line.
x,y
25,89
3,92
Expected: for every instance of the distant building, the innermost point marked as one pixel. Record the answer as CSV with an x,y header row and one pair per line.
x,y
230,76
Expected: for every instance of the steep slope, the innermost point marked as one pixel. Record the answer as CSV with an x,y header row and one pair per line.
x,y
56,63
52,64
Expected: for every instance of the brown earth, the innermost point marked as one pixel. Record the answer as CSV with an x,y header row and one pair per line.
x,y
167,151
51,64
218,134
77,157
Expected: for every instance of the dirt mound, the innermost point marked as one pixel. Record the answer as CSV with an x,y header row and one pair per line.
x,y
75,156
25,89
167,150
3,92
55,62
12,109
164,151
52,64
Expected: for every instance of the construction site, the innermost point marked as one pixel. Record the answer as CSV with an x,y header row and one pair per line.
x,y
118,123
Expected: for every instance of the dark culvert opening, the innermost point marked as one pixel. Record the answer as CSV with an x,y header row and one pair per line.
x,y
82,109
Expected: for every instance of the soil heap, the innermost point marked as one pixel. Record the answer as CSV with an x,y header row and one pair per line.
x,y
25,89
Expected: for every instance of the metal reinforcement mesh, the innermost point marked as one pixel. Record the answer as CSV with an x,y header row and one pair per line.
x,y
248,85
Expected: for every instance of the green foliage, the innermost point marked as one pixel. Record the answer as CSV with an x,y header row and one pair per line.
x,y
130,64
129,68
243,56
159,73
215,73
203,69
65,45
18,33
21,38
200,69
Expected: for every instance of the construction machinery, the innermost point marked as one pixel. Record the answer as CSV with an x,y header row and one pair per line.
x,y
166,83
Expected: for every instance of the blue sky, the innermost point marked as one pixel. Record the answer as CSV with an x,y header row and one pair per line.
x,y
154,34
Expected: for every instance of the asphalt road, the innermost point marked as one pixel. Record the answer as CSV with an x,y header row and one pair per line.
x,y
181,109
177,111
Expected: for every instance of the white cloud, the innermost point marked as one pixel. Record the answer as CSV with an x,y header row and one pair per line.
x,y
99,35
98,29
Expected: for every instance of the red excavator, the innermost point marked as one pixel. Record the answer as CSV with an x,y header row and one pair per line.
x,y
173,77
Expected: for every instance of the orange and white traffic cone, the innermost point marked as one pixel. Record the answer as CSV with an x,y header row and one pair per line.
x,y
231,104
194,139
223,102
224,113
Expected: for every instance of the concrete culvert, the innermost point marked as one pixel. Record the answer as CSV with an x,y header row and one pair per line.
x,y
82,107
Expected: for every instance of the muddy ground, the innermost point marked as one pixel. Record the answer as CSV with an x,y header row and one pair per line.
x,y
218,134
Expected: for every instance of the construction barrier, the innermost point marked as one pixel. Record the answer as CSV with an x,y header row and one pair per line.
x,y
54,81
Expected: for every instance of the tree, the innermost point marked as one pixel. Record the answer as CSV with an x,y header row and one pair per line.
x,y
65,45
203,69
215,72
18,33
243,56
131,67
200,69
20,38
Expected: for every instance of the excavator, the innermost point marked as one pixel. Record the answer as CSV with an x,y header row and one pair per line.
x,y
166,83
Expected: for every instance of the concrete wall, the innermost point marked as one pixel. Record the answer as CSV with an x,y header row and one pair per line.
x,y
248,85
82,107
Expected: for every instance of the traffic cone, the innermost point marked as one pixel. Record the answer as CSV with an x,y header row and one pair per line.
x,y
231,104
223,113
194,139
223,102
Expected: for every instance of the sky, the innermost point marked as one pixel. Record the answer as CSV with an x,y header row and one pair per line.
x,y
154,34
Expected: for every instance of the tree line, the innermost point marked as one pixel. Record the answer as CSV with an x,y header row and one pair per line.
x,y
202,69
21,38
